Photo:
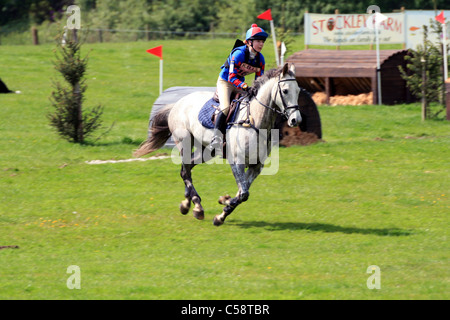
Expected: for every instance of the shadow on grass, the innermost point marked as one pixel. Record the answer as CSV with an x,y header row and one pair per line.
x,y
321,227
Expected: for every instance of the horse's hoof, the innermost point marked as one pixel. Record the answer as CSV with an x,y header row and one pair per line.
x,y
223,199
217,221
199,214
185,205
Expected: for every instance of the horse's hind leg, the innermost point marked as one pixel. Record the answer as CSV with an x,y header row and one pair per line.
x,y
190,193
185,205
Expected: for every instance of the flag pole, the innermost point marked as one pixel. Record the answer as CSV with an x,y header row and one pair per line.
x,y
444,50
272,28
441,19
160,76
157,51
377,37
267,15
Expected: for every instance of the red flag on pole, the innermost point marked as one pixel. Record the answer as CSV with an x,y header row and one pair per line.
x,y
266,15
440,18
157,51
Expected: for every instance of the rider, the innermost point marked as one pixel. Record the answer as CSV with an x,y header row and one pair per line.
x,y
242,61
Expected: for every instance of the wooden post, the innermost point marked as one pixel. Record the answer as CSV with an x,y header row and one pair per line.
x,y
424,85
100,35
328,89
337,12
34,35
402,9
75,35
306,45
211,30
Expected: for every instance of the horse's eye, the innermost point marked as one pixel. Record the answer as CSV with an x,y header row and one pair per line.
x,y
285,91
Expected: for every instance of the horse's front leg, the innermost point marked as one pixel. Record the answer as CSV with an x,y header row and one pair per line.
x,y
242,195
251,174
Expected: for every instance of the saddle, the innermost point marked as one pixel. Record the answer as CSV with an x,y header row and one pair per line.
x,y
208,113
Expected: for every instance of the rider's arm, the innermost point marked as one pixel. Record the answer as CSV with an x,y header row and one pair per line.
x,y
237,58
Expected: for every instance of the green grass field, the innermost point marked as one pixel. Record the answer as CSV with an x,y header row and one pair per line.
x,y
377,192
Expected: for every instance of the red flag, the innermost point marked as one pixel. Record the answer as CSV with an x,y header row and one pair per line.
x,y
266,15
440,18
157,51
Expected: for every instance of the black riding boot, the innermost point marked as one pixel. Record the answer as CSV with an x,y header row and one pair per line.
x,y
219,131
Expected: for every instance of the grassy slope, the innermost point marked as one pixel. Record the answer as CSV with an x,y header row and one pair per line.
x,y
376,193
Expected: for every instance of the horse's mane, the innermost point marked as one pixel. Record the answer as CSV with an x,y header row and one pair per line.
x,y
258,83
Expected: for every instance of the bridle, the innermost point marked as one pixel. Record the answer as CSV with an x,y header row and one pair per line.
x,y
285,106
249,122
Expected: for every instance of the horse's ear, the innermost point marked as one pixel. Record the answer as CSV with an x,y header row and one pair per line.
x,y
292,68
285,68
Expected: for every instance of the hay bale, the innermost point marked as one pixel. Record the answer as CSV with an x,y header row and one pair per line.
x,y
319,98
348,100
294,136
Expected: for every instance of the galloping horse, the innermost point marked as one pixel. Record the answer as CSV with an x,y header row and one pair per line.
x,y
274,93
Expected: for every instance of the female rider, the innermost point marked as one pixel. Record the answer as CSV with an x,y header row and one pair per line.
x,y
242,61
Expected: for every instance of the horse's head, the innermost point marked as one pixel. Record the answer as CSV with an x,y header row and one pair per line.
x,y
286,95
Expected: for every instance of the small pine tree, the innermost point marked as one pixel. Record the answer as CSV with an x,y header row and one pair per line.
x,y
424,74
69,119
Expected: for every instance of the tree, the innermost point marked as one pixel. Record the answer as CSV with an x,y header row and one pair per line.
x,y
69,119
424,76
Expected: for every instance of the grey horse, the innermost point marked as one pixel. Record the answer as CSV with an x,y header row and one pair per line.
x,y
275,93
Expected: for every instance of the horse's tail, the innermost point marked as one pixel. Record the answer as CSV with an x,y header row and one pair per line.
x,y
159,132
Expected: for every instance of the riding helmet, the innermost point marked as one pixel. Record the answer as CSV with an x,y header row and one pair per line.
x,y
255,33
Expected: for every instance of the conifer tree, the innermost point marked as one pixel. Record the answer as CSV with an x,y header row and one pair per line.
x,y
424,74
69,119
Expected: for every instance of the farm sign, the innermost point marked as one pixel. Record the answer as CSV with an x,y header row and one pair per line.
x,y
354,29
351,29
414,21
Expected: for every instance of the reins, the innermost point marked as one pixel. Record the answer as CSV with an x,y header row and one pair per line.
x,y
250,123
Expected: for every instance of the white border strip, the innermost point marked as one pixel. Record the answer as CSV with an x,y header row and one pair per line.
x,y
125,160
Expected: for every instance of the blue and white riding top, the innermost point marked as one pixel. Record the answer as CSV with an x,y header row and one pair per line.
x,y
240,64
